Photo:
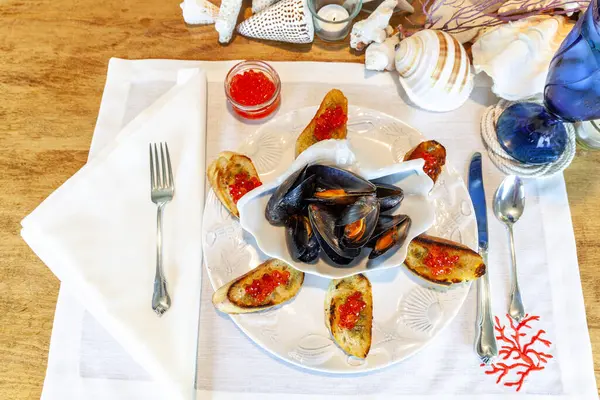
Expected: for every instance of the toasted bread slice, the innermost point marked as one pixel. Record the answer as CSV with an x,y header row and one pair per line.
x,y
434,155
332,99
234,298
461,263
355,341
222,172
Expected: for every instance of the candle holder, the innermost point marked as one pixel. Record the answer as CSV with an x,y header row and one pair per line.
x,y
333,18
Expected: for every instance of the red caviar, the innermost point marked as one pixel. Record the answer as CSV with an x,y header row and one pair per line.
x,y
251,88
327,122
350,310
262,288
431,162
439,262
243,185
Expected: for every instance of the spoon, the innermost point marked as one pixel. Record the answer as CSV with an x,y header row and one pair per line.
x,y
509,202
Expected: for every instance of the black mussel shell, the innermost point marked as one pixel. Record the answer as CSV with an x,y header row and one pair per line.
x,y
358,221
389,233
289,196
301,239
389,196
338,186
323,224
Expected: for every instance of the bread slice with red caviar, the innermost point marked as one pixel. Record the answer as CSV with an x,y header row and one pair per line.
x,y
434,155
222,174
443,261
349,314
335,98
271,283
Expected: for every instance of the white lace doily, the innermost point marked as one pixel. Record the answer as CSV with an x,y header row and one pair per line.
x,y
508,164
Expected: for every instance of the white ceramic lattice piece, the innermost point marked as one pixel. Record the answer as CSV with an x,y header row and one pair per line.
x,y
285,21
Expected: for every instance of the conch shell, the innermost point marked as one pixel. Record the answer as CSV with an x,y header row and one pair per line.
x,y
517,55
434,70
225,22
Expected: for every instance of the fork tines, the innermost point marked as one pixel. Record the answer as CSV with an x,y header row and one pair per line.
x,y
161,175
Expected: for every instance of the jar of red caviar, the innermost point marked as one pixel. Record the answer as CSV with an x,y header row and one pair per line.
x,y
253,89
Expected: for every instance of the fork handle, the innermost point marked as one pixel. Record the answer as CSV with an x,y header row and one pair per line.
x,y
160,298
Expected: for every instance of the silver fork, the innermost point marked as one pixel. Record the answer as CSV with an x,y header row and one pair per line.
x,y
162,190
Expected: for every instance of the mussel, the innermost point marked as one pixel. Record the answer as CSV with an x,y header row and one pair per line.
x,y
358,221
390,231
301,239
338,186
389,196
323,222
289,197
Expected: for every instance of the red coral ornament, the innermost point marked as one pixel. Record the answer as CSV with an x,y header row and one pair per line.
x,y
525,359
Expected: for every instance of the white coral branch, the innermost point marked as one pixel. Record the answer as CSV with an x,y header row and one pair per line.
x,y
373,28
199,12
380,56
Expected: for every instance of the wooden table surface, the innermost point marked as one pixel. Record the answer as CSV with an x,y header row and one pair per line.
x,y
54,59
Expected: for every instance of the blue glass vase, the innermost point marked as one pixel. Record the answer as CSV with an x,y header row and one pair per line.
x,y
535,134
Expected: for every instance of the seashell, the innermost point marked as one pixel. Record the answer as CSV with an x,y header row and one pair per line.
x,y
259,5
372,29
228,15
285,21
514,7
380,56
434,70
517,55
199,12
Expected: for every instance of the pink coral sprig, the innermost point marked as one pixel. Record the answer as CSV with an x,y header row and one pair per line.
x,y
472,14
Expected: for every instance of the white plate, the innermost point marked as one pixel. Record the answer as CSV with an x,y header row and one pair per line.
x,y
406,314
407,175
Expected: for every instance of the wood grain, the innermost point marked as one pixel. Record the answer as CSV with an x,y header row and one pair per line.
x,y
53,69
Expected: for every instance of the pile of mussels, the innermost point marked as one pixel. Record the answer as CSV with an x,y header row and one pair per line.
x,y
335,210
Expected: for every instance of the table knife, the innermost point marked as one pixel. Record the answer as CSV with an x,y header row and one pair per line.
x,y
485,339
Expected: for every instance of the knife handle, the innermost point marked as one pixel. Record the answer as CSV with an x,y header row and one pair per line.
x,y
485,339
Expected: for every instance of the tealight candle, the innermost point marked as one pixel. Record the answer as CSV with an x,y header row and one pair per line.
x,y
332,20
334,13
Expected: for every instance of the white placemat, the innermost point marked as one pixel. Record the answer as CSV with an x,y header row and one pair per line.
x,y
85,362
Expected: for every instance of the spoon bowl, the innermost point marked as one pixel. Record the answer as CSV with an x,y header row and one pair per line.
x,y
509,200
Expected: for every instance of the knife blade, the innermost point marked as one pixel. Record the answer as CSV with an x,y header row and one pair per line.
x,y
485,340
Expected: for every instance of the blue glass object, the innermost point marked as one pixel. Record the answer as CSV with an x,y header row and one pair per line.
x,y
536,135
541,138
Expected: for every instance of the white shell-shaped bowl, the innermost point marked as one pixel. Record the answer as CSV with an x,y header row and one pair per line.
x,y
434,70
517,55
407,175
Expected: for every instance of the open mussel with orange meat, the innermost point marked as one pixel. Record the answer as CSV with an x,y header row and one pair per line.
x,y
334,210
390,231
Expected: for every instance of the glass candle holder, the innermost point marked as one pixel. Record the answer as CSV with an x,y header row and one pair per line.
x,y
333,18
588,134
270,103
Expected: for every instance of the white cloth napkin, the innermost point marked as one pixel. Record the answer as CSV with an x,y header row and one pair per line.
x,y
83,354
97,233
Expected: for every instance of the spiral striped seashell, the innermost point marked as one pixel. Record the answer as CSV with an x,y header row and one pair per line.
x,y
434,70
